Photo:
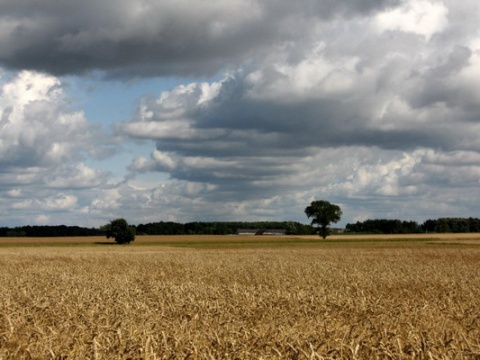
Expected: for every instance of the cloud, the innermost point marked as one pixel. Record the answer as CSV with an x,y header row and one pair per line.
x,y
43,146
156,38
35,128
360,113
371,104
419,17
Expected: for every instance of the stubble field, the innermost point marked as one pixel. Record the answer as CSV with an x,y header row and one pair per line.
x,y
241,298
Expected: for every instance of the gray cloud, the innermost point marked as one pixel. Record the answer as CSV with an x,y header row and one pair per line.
x,y
156,38
370,104
390,99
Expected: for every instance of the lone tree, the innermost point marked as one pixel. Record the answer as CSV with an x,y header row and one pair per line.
x,y
120,231
323,213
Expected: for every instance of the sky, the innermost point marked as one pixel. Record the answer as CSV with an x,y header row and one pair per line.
x,y
238,110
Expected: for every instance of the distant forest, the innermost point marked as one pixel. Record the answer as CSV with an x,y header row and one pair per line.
x,y
161,228
378,226
442,225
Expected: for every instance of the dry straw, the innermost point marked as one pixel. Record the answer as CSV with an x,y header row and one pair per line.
x,y
332,302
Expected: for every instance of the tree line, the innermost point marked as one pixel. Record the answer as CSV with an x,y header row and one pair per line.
x,y
441,225
159,228
220,228
371,226
49,231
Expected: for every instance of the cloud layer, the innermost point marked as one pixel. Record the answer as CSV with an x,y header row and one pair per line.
x,y
371,104
160,38
374,109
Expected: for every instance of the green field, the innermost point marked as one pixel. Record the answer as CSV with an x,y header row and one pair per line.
x,y
204,297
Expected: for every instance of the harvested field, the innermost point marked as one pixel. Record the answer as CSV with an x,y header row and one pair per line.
x,y
322,301
243,240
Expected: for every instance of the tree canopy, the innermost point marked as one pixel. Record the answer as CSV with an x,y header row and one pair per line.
x,y
323,213
120,231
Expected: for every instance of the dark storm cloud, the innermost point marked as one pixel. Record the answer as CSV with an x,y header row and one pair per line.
x,y
155,37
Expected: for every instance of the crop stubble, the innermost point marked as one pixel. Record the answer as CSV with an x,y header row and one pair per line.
x,y
155,302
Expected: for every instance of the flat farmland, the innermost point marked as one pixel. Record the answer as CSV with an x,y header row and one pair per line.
x,y
232,297
225,241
